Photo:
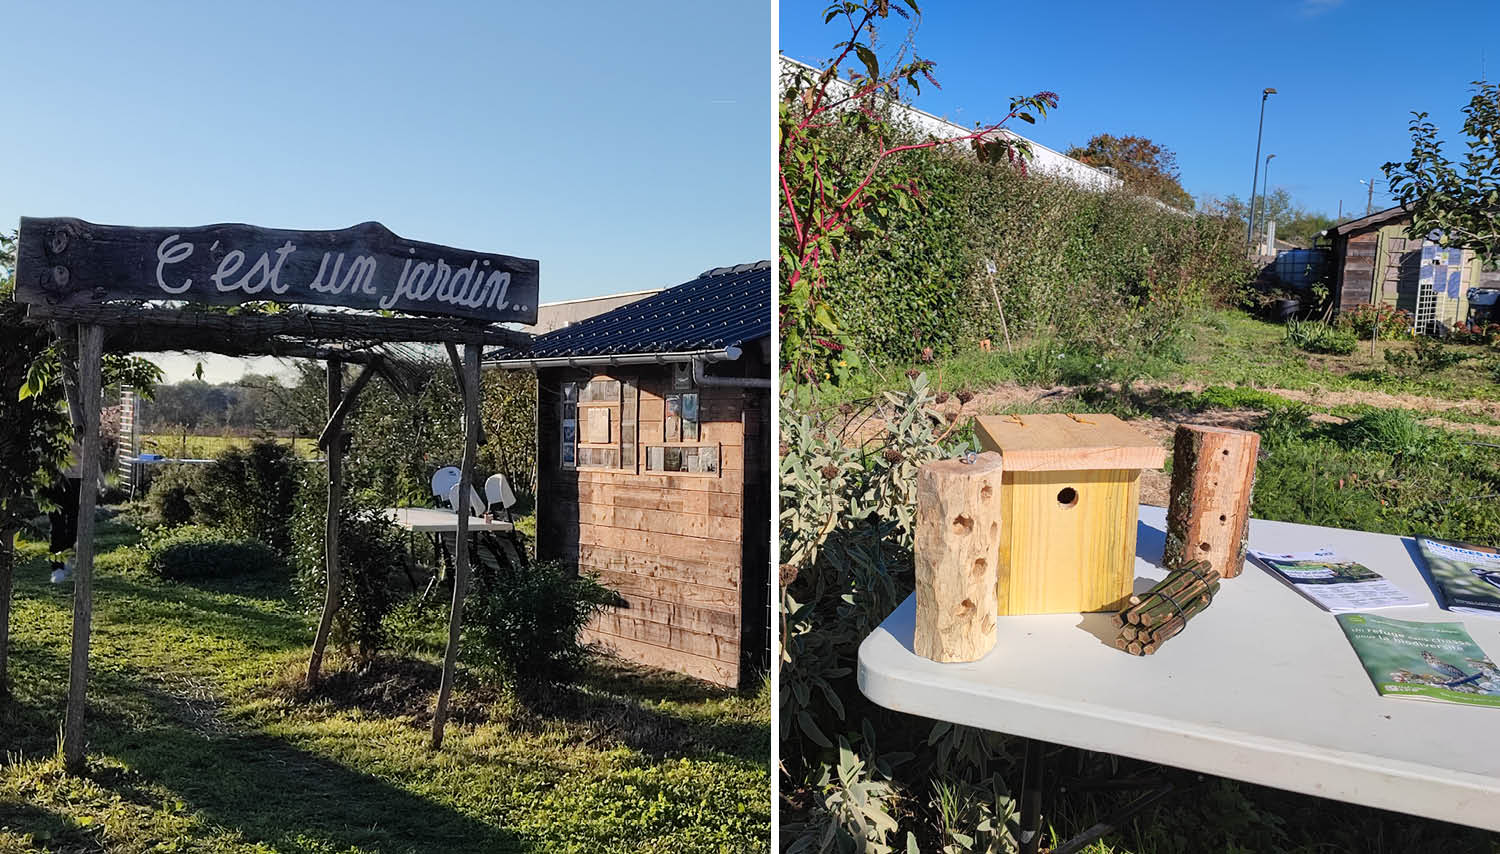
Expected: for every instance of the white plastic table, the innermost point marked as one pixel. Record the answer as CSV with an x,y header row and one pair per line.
x,y
429,520
1260,687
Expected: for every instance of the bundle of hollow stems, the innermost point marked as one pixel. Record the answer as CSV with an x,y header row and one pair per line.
x,y
1165,609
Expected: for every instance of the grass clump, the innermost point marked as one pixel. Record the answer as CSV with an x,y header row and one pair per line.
x,y
1313,337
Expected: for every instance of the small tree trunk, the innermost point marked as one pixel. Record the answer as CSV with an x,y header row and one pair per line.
x,y
1208,517
333,594
957,549
7,579
90,347
470,386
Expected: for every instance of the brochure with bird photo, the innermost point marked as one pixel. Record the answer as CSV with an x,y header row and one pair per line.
x,y
1464,577
1424,661
1339,586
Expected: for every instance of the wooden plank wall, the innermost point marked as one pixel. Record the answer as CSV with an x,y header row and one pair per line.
x,y
669,544
1357,273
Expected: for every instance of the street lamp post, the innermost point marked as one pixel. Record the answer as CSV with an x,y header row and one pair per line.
x,y
1255,177
1266,203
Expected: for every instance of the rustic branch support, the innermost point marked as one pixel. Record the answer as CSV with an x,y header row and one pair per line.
x,y
957,547
141,328
90,351
470,376
1213,473
339,409
333,593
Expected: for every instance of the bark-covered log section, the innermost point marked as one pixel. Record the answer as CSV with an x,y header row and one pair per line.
x,y
1213,473
957,550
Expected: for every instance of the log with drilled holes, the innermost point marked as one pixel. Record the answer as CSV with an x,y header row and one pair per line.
x,y
1213,471
957,541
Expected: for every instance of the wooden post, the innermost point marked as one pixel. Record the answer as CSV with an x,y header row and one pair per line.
x,y
1213,472
7,580
957,549
90,350
335,579
470,386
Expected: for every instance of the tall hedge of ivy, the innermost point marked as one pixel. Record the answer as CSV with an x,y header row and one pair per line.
x,y
1099,270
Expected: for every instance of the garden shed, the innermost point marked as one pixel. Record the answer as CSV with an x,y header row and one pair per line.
x,y
1375,260
654,461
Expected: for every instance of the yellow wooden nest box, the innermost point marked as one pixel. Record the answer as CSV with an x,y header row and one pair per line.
x,y
1070,496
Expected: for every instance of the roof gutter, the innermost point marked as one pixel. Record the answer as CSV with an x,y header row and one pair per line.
x,y
703,380
697,357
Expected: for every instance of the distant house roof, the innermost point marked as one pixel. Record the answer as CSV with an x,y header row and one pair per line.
x,y
723,307
555,315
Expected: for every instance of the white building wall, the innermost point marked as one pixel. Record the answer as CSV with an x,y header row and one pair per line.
x,y
1043,159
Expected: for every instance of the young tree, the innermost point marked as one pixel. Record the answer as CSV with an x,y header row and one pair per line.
x,y
831,193
35,429
1146,167
33,434
1463,205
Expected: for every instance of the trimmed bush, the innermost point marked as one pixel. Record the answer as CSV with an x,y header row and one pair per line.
x,y
1093,272
525,627
196,552
173,489
249,491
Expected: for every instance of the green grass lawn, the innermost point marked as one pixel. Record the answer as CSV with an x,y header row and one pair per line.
x,y
1226,347
198,741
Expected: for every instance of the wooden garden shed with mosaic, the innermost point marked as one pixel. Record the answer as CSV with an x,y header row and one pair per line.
x,y
654,455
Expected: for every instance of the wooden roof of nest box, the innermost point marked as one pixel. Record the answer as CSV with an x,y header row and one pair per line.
x,y
1059,442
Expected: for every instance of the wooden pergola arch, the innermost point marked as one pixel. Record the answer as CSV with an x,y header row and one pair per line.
x,y
102,289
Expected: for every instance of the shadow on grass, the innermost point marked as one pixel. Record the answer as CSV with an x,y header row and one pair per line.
x,y
610,718
612,704
260,787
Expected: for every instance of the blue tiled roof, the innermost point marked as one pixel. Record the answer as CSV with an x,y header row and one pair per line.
x,y
723,307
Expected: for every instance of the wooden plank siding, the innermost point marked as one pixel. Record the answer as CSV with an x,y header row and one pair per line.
x,y
670,544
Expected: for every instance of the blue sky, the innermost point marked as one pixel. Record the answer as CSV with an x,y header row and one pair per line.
x,y
625,146
1189,75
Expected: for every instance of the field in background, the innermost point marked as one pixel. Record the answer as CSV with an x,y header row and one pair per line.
x,y
204,447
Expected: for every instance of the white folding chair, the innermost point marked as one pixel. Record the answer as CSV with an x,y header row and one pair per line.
x,y
476,504
497,491
443,481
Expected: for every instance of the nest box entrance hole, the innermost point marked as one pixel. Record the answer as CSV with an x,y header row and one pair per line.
x,y
1067,497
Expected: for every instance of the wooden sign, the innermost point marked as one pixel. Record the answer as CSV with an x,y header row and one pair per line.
x,y
68,262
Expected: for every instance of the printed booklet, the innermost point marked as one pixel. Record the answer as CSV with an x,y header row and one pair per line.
x,y
1423,661
1339,586
1464,577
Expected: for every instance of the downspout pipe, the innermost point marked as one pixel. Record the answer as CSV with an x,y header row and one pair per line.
x,y
728,354
703,380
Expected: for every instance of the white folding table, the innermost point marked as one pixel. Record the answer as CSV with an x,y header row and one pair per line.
x,y
1260,687
430,520
435,522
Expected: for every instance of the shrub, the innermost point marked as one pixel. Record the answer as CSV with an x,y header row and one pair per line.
x,y
173,488
249,491
526,626
1314,337
1394,323
196,552
371,551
